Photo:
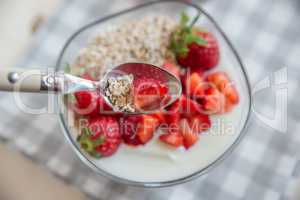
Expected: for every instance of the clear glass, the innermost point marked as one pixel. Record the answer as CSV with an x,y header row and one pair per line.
x,y
172,8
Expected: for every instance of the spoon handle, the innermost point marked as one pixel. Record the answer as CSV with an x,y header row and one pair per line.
x,y
36,80
25,80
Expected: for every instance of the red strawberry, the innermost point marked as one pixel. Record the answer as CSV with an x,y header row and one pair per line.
x,y
174,139
199,123
129,130
188,107
89,103
148,93
172,117
138,130
194,85
172,68
194,48
106,128
86,103
159,116
214,101
221,81
189,136
183,106
201,56
146,128
231,94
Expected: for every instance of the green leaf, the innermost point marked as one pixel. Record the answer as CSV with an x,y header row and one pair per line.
x,y
184,19
99,141
87,145
190,38
86,131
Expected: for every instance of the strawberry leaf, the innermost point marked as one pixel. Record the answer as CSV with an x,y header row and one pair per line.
x,y
190,38
184,35
184,19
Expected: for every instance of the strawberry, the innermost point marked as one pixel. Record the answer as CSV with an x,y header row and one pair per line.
x,y
139,129
219,79
199,123
104,135
214,101
184,118
172,68
86,103
231,94
194,85
188,107
159,116
194,48
146,127
89,103
148,93
189,136
172,117
174,139
222,82
128,127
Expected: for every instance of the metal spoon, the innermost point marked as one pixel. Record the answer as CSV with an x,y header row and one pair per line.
x,y
20,80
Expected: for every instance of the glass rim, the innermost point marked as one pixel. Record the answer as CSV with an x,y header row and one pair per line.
x,y
155,184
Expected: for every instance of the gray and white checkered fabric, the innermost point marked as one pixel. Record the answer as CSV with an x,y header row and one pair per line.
x,y
266,163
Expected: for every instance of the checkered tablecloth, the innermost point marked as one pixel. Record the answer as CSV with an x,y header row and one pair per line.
x,y
265,164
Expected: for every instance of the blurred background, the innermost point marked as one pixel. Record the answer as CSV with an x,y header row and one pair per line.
x,y
266,165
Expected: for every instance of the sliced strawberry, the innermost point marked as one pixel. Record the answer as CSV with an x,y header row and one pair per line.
x,y
231,94
222,82
159,116
106,128
148,93
194,85
189,136
146,128
174,139
199,123
214,101
188,107
172,68
219,79
104,107
128,127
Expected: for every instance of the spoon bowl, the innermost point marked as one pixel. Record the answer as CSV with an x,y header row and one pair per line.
x,y
145,72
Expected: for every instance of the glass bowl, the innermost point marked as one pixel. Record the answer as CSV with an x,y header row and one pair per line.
x,y
214,147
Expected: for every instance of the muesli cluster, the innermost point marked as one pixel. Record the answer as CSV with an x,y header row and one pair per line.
x,y
119,91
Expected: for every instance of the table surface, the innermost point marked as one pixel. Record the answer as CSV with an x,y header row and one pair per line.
x,y
15,33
